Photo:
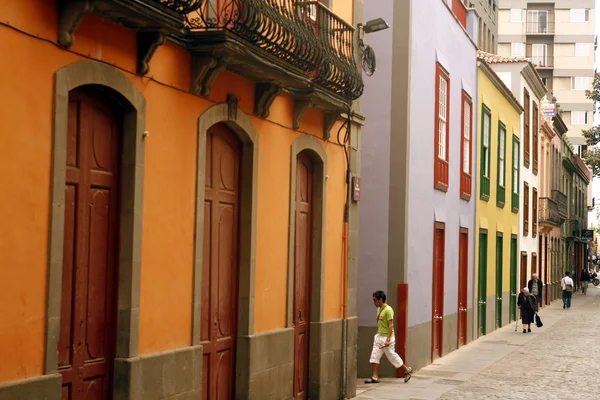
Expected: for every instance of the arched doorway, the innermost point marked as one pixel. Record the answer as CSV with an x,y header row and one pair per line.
x,y
302,272
86,345
218,328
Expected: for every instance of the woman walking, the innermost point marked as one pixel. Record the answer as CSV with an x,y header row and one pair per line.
x,y
529,306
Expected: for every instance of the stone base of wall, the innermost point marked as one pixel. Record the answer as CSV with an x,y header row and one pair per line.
x,y
325,374
45,387
175,374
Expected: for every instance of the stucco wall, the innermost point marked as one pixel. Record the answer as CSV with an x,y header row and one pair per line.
x,y
169,185
375,166
440,40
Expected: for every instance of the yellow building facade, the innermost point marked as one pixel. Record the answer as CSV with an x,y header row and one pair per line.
x,y
497,211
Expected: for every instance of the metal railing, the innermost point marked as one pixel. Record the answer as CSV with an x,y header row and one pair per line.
x,y
303,33
182,7
572,228
540,27
542,61
548,212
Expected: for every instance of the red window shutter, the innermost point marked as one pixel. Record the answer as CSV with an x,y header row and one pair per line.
x,y
441,164
465,176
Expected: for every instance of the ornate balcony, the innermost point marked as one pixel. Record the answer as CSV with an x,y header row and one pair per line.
x,y
548,213
297,45
561,200
572,229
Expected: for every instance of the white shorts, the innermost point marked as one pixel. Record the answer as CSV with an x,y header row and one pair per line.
x,y
390,351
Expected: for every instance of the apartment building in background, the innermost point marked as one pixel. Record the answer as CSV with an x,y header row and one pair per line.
x,y
558,36
487,38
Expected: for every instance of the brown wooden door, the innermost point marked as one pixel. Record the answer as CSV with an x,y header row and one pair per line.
x,y
463,277
438,290
218,329
523,277
302,275
89,296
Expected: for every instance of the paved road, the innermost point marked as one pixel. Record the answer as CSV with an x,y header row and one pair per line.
x,y
558,361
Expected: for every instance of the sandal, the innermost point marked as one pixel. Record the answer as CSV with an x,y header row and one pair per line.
x,y
408,374
372,380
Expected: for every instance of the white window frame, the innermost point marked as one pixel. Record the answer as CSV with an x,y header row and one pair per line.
x,y
487,131
517,45
516,15
580,15
442,117
515,168
501,156
466,138
581,83
582,49
539,54
579,118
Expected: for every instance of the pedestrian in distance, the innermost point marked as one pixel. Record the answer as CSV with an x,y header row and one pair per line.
x,y
585,279
535,288
384,341
567,289
529,306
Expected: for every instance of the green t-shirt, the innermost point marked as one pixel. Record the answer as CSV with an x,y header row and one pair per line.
x,y
383,316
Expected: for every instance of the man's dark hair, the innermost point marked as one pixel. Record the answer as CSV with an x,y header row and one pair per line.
x,y
568,273
380,295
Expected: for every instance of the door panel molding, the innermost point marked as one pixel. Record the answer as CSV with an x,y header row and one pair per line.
x,y
130,202
313,148
240,123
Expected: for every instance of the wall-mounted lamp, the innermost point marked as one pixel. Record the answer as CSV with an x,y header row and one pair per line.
x,y
368,55
375,25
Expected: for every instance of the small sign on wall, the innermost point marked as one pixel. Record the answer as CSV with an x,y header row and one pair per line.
x,y
355,188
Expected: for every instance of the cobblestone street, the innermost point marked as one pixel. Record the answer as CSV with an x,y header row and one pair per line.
x,y
558,361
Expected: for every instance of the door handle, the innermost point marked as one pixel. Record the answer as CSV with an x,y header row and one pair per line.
x,y
462,309
437,317
513,294
498,298
482,302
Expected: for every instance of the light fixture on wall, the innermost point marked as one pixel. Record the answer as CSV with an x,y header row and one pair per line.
x,y
369,64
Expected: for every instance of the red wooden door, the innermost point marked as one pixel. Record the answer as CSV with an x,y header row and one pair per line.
x,y
302,276
523,276
218,329
463,271
89,296
438,290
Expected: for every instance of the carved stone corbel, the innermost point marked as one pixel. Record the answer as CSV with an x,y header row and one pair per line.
x,y
329,119
204,71
70,15
232,106
300,107
264,95
148,42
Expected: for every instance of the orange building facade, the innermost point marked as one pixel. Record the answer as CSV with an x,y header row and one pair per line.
x,y
179,214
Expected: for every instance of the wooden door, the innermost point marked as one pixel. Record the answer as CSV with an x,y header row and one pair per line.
x,y
499,272
523,278
482,283
463,277
89,296
302,273
513,278
218,329
439,248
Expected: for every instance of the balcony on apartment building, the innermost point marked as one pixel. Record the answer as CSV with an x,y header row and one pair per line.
x,y
540,22
560,199
548,214
541,55
299,45
571,228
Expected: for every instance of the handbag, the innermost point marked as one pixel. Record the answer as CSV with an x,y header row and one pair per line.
x,y
538,321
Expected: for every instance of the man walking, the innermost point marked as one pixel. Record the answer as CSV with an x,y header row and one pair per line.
x,y
384,341
567,287
585,279
535,288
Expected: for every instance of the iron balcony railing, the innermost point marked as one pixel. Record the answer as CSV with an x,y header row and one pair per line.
x,y
338,71
572,228
561,201
548,212
542,61
182,7
304,34
540,27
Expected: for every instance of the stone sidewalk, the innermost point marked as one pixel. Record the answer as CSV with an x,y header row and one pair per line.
x,y
561,360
